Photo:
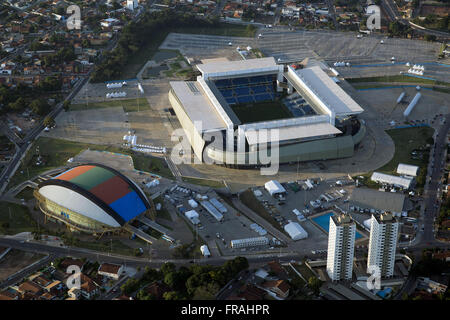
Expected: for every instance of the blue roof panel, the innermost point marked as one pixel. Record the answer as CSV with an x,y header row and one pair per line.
x,y
129,206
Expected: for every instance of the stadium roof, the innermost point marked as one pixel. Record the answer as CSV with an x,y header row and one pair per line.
x,y
292,132
333,96
220,68
197,106
98,192
407,169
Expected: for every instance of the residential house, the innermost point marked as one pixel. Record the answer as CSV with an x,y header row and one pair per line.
x,y
110,270
6,295
251,292
71,262
279,287
88,287
29,290
55,288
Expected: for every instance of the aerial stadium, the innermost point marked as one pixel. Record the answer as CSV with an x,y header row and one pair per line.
x,y
227,110
92,198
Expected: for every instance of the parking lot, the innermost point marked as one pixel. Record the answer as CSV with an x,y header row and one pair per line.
x,y
217,234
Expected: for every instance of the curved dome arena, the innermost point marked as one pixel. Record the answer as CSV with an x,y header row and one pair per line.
x,y
91,198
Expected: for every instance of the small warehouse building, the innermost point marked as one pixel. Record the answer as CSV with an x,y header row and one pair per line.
x,y
295,231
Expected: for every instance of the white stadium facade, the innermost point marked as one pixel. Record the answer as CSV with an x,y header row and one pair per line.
x,y
321,123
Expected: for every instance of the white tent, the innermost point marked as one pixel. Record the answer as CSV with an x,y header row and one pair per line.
x,y
274,187
296,212
407,169
257,193
205,250
295,231
193,203
191,214
391,180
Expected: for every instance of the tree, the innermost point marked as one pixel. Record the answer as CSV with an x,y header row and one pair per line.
x,y
167,268
49,122
17,105
40,106
206,292
66,105
314,284
171,295
130,286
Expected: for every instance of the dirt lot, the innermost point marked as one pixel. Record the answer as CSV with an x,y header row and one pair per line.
x,y
15,261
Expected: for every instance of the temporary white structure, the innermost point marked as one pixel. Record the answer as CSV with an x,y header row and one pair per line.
x,y
412,104
212,210
193,203
219,206
400,98
257,193
295,231
407,169
391,180
191,214
205,250
274,187
249,242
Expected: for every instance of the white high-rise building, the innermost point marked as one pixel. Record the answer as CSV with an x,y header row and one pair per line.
x,y
132,4
382,244
341,246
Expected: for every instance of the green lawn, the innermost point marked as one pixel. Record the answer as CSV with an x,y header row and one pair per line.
x,y
26,193
20,220
128,105
58,151
205,182
406,140
105,246
262,111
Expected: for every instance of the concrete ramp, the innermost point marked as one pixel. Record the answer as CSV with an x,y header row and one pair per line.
x,y
157,227
140,234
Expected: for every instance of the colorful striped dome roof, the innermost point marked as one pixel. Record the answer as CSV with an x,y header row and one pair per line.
x,y
108,188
